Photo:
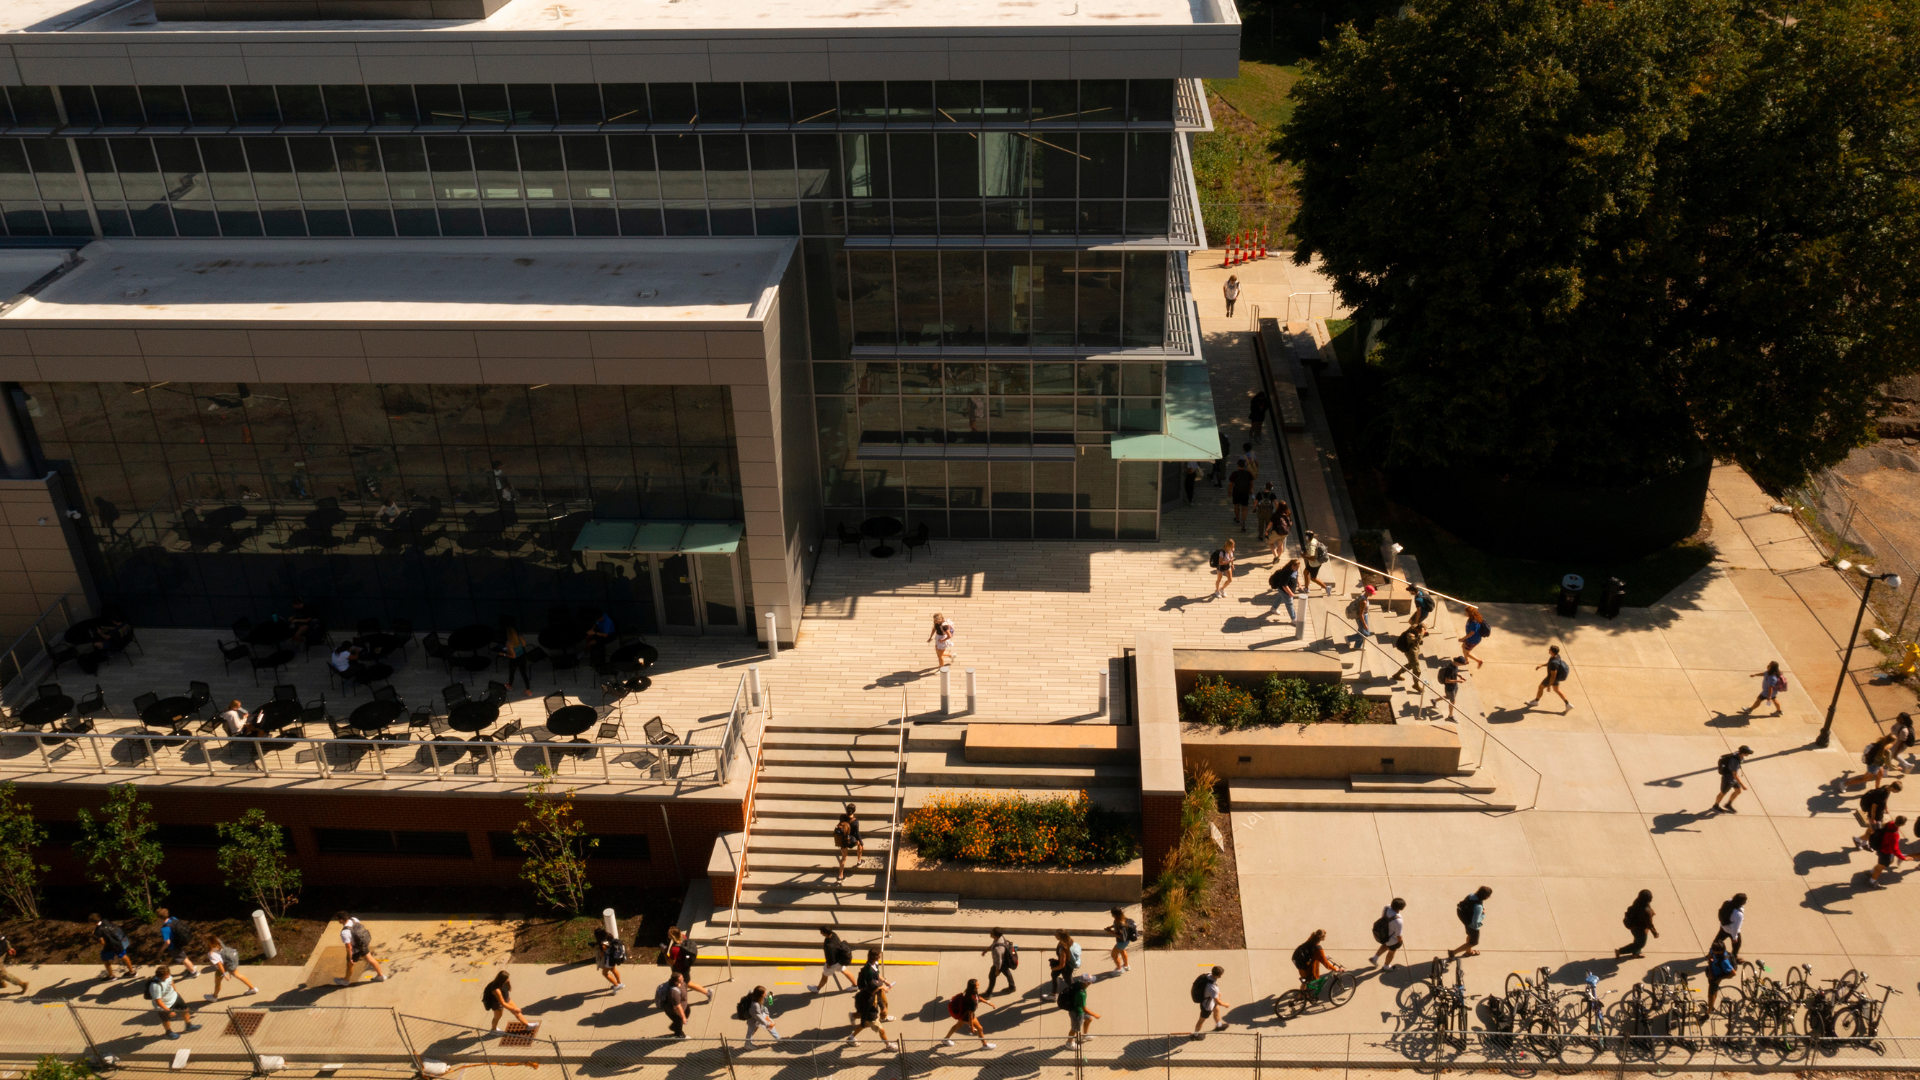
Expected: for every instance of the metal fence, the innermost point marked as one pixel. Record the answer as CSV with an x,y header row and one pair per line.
x,y
26,653
1846,532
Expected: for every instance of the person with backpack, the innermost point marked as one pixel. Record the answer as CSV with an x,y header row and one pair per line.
x,y
359,942
1265,501
1275,535
166,1000
1206,994
1477,630
1452,675
6,976
681,953
757,1010
1886,841
1125,933
1878,758
1189,478
869,977
1360,614
1316,554
1409,645
846,838
1422,606
1257,408
1389,930
174,938
609,953
671,996
1639,922
1006,957
1222,562
1240,490
1285,583
839,954
1872,811
497,998
1733,920
963,1007
114,944
1074,1001
1731,784
1772,685
1720,967
867,1002
224,961
1066,959
1472,913
1557,672
1310,956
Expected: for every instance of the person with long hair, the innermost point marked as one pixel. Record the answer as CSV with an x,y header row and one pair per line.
x,y
498,996
964,1008
1771,684
1477,629
1285,583
514,648
1639,921
942,638
1223,574
680,955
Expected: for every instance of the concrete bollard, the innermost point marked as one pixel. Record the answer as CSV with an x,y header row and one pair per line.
x,y
946,691
773,637
264,931
611,924
1106,679
753,683
973,693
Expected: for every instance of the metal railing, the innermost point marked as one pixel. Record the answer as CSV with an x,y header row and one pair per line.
x,y
736,733
1181,318
893,824
746,837
143,752
34,643
1190,110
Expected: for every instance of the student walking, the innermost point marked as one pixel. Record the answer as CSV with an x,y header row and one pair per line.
x,y
963,1007
1422,606
1452,674
175,938
1730,766
497,998
671,996
1213,1007
1903,736
1074,1000
846,838
1252,459
1125,933
1277,529
1389,930
1223,569
114,944
1409,645
839,954
942,637
1871,812
1316,554
1886,842
1310,957
1359,612
1066,958
514,648
1733,920
1772,685
1257,408
1720,967
166,1000
1639,922
866,1002
609,953
359,944
1264,503
1240,490
1005,958
1472,913
6,976
224,961
1285,583
1557,672
1189,478
870,976
758,1016
681,953
1231,291
1877,757
1476,632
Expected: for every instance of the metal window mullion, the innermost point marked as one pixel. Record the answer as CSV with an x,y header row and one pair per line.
x,y
79,173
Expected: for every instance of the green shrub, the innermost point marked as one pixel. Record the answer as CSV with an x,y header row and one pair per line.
x,y
1013,830
52,1068
1279,701
1216,701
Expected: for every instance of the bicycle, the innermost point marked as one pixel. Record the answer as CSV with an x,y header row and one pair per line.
x,y
1583,1015
1333,989
1431,1005
1861,1017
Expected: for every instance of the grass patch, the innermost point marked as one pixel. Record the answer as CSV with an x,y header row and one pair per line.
x,y
1453,566
1242,185
1263,92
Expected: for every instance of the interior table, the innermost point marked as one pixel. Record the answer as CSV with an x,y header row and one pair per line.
x,y
47,710
472,716
471,638
382,644
639,651
270,633
372,673
571,719
376,715
166,712
880,528
81,633
277,714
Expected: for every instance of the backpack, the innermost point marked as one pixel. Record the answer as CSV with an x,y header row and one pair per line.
x,y
115,936
362,937
689,952
155,987
1213,560
1382,930
229,958
1728,763
744,1010
1780,683
1486,629
1200,988
1303,954
1464,910
1133,932
662,995
1632,919
957,1006
840,835
178,934
869,978
1726,912
843,954
1072,998
616,953
1867,755
1721,965
1013,956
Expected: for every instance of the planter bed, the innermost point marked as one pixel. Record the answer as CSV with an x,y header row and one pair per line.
x,y
1119,884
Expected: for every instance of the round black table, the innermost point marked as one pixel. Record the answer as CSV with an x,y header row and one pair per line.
x,y
639,651
880,528
270,633
47,710
471,638
562,637
472,716
372,673
163,713
382,644
277,714
375,715
81,633
571,719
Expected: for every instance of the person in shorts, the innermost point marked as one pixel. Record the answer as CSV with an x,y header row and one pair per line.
x,y
866,1002
1396,931
1212,1006
607,954
847,841
224,962
1310,956
1731,785
1074,1000
1886,841
1124,933
1473,915
166,1001
1872,811
359,948
681,952
113,945
1240,490
1452,674
1720,967
6,950
838,953
964,1008
1557,672
173,935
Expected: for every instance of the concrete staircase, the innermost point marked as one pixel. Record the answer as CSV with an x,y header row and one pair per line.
x,y
809,770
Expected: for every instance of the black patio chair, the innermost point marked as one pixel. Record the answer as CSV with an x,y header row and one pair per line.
x,y
403,630
496,693
241,628
386,693
437,649
659,733
554,703
851,536
199,693
52,689
231,651
145,701
272,662
286,692
919,538
95,702
453,694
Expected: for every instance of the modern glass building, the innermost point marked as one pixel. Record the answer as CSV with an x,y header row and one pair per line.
x,y
904,266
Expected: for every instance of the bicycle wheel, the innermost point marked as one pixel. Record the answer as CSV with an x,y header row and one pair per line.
x,y
1849,984
1339,988
1852,1023
1289,1005
1517,984
1414,1003
1797,982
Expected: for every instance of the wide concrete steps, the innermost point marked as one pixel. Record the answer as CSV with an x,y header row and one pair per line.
x,y
1339,795
827,774
817,843
812,878
831,740
869,798
787,725
843,756
951,769
775,862
803,944
819,823
803,900
1087,923
1462,783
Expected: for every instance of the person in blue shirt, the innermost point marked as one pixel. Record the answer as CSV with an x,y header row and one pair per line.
x,y
173,933
601,630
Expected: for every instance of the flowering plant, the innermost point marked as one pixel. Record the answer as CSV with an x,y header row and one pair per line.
x,y
1014,830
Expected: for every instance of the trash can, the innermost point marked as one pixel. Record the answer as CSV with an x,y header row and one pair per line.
x,y
1611,597
1570,587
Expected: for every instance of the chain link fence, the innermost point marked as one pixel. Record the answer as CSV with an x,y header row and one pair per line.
x,y
1845,531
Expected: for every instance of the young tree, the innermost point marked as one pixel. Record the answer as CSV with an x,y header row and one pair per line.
x,y
253,858
120,852
19,836
555,846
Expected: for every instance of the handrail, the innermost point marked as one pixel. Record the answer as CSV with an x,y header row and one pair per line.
x,y
9,659
1289,476
746,837
1430,590
893,830
733,727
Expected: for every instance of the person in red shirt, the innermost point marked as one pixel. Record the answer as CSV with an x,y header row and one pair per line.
x,y
1886,841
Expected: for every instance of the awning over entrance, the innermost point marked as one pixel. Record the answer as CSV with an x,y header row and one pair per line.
x,y
1193,431
661,537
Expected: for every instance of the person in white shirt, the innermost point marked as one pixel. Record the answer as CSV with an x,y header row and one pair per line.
x,y
1733,918
224,962
942,638
1396,926
345,655
359,942
238,721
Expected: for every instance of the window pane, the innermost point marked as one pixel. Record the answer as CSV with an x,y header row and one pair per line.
x,y
1146,299
1053,298
919,284
872,281
726,166
963,301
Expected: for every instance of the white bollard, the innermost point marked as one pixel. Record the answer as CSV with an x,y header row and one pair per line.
x,y
611,924
1106,679
946,691
753,683
773,637
264,931
973,693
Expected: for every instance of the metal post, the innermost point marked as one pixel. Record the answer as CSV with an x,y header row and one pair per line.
x,y
1106,680
611,924
753,683
946,691
671,846
973,693
263,930
773,637
1826,730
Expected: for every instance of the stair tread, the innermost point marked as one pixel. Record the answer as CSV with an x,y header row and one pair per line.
x,y
1335,795
826,773
882,759
929,769
1421,782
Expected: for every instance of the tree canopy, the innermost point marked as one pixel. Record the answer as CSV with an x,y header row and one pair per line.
x,y
1601,232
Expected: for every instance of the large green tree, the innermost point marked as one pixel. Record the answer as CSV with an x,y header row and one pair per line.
x,y
1601,232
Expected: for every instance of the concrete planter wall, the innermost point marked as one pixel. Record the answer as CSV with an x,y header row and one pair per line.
x,y
1321,751
1249,670
1119,884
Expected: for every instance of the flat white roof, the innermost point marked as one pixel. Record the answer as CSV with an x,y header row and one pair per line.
x,y
695,280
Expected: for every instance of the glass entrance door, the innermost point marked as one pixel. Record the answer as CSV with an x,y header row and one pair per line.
x,y
679,607
720,605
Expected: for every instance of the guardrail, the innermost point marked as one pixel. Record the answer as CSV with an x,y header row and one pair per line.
x,y
736,733
746,838
32,644
893,824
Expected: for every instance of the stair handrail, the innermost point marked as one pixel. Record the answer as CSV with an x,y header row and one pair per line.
x,y
746,835
1430,590
1367,642
893,831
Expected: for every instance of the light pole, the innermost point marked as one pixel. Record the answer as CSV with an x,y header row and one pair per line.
x,y
1893,581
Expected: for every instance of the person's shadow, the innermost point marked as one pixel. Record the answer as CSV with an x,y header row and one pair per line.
x,y
1806,862
1677,821
896,679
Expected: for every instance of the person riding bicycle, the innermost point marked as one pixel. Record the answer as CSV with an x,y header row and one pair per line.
x,y
1310,958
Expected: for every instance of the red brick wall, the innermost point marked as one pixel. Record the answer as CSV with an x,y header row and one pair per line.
x,y
694,826
1159,830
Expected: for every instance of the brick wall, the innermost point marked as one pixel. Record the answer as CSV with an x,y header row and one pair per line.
x,y
694,825
1159,830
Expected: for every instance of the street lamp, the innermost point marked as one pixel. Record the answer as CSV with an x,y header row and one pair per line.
x,y
1893,581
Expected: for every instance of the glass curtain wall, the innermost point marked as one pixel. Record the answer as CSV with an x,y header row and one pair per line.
x,y
443,504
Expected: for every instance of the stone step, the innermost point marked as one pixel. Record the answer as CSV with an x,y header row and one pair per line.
x,y
826,774
951,769
819,824
848,900
1335,795
1425,783
778,861
785,724
817,842
864,879
831,740
802,944
844,756
1086,922
816,801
